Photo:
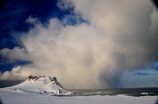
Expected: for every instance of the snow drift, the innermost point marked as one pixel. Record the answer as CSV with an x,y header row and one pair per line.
x,y
42,85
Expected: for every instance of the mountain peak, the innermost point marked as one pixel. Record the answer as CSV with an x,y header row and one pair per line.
x,y
45,79
34,77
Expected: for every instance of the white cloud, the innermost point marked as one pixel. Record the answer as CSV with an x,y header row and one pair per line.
x,y
15,54
90,55
154,23
18,73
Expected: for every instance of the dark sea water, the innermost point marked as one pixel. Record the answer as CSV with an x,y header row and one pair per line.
x,y
112,92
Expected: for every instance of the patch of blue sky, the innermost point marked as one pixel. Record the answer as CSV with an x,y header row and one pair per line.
x,y
8,66
143,72
156,64
73,20
139,78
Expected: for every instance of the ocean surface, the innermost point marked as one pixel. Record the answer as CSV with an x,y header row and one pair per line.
x,y
113,92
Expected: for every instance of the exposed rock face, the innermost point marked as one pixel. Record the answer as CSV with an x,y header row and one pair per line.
x,y
52,79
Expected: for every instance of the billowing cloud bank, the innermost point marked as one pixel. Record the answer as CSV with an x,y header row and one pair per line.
x,y
121,35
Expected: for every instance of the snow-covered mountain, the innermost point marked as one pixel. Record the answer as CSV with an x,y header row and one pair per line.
x,y
42,85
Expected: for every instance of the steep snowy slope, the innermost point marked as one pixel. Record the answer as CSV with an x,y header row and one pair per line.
x,y
42,85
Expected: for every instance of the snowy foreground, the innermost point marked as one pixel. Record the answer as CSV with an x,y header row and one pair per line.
x,y
47,90
9,96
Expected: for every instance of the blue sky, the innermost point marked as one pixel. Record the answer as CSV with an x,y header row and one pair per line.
x,y
139,78
112,43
